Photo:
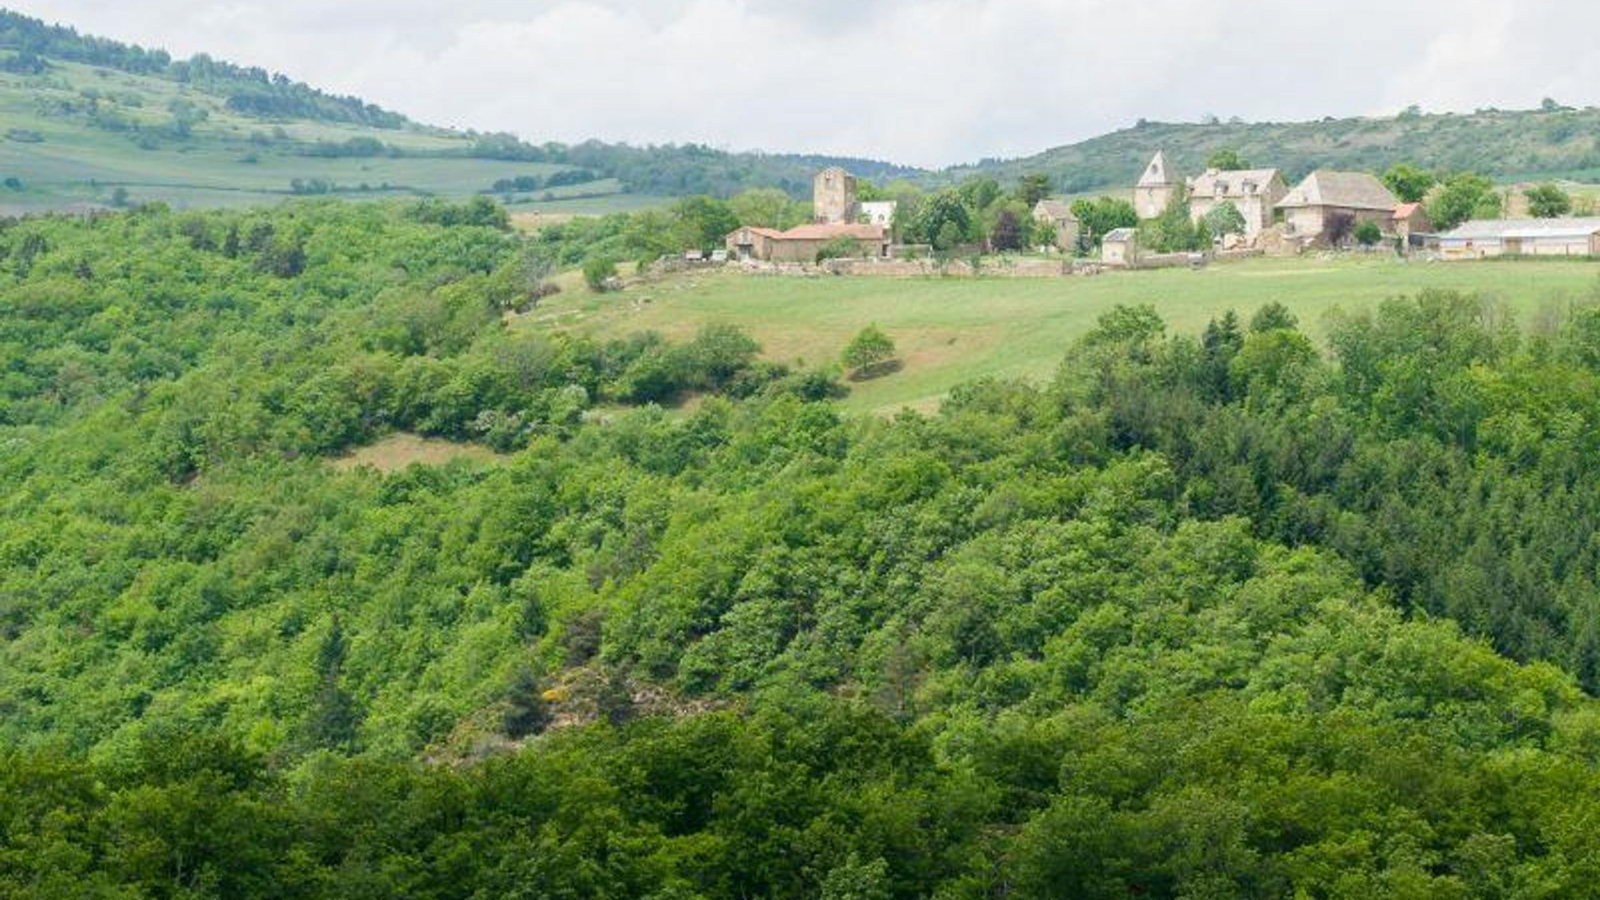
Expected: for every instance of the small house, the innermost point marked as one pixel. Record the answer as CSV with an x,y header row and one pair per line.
x,y
1120,248
1058,215
878,212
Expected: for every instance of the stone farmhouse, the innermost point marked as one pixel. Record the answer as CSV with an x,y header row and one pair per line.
x,y
1058,215
1331,203
1254,192
839,216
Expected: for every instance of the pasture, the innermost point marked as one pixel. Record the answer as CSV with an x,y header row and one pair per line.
x,y
953,330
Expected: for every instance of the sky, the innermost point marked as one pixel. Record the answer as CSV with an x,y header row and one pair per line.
x,y
920,82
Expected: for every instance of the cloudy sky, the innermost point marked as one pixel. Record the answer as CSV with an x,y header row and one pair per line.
x,y
927,82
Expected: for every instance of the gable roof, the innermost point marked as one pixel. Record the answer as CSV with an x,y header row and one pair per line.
x,y
1406,210
1120,234
1059,210
1219,184
1159,172
1345,190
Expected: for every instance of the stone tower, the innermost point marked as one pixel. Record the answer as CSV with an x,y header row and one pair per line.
x,y
834,197
1156,188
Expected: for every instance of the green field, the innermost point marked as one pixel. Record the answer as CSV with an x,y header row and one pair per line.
x,y
953,330
72,159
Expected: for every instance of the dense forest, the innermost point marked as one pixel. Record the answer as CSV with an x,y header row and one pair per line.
x,y
1205,616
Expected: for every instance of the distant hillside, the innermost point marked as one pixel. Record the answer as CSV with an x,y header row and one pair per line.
x,y
1509,145
87,122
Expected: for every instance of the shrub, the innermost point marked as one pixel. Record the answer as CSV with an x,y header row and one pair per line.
x,y
598,272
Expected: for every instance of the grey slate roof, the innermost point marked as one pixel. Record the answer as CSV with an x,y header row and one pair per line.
x,y
1221,185
1120,234
1343,190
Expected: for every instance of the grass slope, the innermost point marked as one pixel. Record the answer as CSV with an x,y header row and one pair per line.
x,y
953,330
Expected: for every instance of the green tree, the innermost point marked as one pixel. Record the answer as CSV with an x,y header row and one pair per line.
x,y
1224,219
1226,159
1367,233
1408,182
598,271
768,208
1098,218
1547,201
703,223
1032,188
1463,196
867,351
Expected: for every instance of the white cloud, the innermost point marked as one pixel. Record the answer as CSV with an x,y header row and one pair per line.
x,y
930,82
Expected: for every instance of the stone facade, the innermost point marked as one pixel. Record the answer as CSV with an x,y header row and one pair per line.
x,y
1058,214
1120,248
1254,192
1157,187
878,212
833,197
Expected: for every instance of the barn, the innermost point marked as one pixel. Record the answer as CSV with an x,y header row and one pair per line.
x,y
1522,237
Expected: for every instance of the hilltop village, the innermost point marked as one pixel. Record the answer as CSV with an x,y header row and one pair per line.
x,y
1225,211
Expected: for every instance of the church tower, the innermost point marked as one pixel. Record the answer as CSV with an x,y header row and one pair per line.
x,y
1156,188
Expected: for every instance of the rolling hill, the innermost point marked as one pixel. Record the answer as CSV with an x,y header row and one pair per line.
x,y
1554,142
88,122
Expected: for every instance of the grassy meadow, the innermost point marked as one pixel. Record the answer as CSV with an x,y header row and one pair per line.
x,y
953,330
71,159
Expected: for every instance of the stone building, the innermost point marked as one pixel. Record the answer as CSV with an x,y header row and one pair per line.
x,y
1120,248
1324,207
1254,192
833,197
802,244
1156,188
1410,219
1058,214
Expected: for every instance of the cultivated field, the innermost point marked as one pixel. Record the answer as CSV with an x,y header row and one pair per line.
x,y
952,330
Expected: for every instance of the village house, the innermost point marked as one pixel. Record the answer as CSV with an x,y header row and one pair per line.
x,y
1120,247
1324,207
1254,192
878,212
1522,237
1058,215
1157,187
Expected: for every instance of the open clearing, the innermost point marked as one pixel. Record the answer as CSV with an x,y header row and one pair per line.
x,y
397,451
953,330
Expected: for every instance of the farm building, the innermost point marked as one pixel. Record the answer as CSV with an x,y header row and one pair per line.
x,y
1058,215
1156,187
1254,192
1522,237
1120,248
1409,219
802,244
1325,206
